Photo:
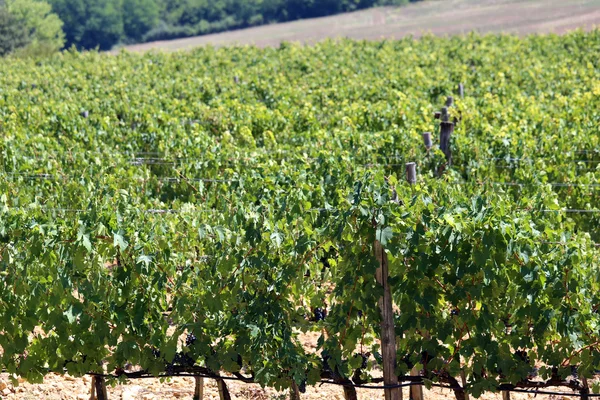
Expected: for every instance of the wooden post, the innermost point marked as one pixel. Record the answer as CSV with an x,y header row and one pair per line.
x,y
411,173
449,101
236,79
93,389
506,395
437,115
427,140
388,334
416,391
445,116
100,386
461,90
446,129
294,391
463,379
198,388
223,391
350,393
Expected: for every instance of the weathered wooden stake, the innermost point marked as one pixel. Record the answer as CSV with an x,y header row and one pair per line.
x,y
411,173
93,389
388,334
449,101
294,391
198,388
445,117
446,129
461,90
416,391
437,115
100,386
427,140
350,393
506,395
223,391
236,79
463,379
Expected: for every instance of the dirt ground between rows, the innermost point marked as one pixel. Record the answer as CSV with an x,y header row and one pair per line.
x,y
69,388
447,17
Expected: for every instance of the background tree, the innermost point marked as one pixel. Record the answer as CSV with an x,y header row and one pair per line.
x,y
13,34
139,16
104,23
43,27
91,23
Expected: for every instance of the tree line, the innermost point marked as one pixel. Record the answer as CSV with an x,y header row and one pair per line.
x,y
103,24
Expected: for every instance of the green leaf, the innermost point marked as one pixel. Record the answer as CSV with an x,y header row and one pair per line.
x,y
119,241
384,235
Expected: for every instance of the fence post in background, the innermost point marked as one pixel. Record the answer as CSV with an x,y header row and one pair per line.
x,y
93,389
198,388
506,395
223,391
411,173
427,140
446,129
461,90
449,101
463,380
445,115
100,386
388,334
236,79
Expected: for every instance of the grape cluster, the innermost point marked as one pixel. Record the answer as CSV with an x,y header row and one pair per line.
x,y
319,314
365,358
190,339
574,372
302,387
325,361
522,355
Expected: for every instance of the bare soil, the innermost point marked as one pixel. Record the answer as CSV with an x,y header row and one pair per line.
x,y
68,388
442,17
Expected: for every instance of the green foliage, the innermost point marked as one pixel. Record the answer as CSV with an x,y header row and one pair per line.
x,y
105,23
139,16
43,27
13,33
232,192
90,24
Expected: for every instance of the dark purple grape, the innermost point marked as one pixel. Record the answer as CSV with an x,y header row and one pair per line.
x,y
319,314
522,355
302,387
365,358
574,371
326,358
190,339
